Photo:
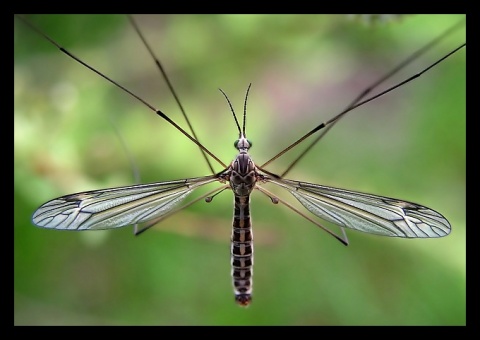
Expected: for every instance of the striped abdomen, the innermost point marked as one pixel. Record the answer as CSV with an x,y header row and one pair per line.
x,y
242,251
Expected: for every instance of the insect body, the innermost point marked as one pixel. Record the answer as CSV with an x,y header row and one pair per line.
x,y
242,176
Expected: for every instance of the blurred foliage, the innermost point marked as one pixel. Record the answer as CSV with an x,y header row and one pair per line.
x,y
409,144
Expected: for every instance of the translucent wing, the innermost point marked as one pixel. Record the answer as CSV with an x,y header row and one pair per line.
x,y
368,213
116,207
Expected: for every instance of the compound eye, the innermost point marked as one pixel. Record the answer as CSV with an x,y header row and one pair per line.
x,y
249,143
235,144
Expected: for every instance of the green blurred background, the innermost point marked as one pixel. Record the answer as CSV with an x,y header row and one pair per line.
x,y
409,144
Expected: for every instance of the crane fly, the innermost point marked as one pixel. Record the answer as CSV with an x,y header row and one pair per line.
x,y
148,204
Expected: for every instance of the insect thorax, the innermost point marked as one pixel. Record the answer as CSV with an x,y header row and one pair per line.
x,y
243,174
